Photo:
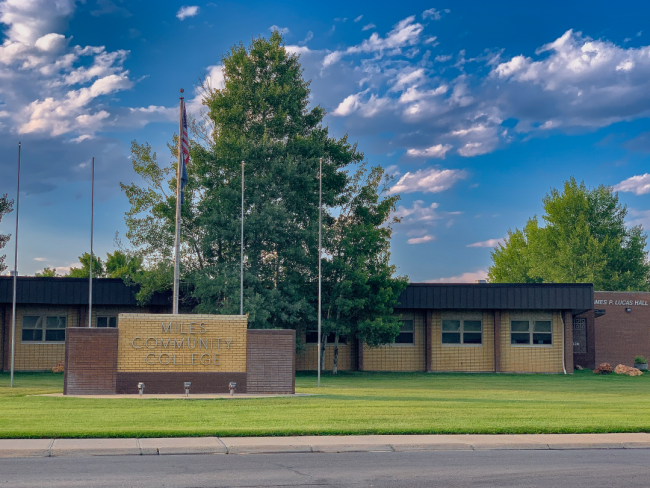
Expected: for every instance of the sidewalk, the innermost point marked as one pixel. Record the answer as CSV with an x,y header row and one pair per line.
x,y
315,444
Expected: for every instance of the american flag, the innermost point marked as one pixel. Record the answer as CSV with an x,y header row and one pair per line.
x,y
185,153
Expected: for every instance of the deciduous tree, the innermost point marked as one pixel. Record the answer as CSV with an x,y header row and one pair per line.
x,y
584,240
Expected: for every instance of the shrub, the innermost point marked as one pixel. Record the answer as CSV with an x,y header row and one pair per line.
x,y
640,360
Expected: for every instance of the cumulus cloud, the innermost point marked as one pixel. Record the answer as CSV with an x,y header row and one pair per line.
x,y
468,277
188,11
405,33
488,243
432,180
395,85
639,184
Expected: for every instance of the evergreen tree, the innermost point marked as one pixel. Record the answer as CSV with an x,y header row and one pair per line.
x,y
262,116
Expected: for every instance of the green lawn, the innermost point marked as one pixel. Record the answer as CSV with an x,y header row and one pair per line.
x,y
352,403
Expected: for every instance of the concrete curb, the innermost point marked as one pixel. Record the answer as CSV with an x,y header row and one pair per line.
x,y
13,448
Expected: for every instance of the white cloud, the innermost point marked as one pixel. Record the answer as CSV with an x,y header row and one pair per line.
x,y
418,213
281,30
358,18
432,180
640,217
420,240
488,243
405,33
368,26
437,151
469,277
434,14
639,184
188,11
308,37
40,259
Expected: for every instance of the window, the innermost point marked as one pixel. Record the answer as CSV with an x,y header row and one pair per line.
x,y
312,338
406,333
462,331
531,332
106,321
43,328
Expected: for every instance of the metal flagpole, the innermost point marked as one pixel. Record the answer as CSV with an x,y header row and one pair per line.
x,y
13,310
92,214
241,285
320,207
177,241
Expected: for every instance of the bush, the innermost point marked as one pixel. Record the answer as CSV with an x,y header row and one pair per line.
x,y
640,360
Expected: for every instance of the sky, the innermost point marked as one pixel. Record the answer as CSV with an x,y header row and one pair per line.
x,y
477,109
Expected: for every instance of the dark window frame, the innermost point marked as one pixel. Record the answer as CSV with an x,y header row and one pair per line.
x,y
532,332
461,332
402,339
109,319
46,333
311,337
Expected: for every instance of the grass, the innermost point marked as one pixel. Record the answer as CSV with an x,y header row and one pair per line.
x,y
351,403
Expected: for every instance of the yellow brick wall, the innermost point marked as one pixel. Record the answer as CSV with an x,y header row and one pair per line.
x,y
399,357
31,356
462,357
531,359
224,336
307,360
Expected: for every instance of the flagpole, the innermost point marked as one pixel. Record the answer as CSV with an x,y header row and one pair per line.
x,y
13,311
177,240
92,214
320,210
241,279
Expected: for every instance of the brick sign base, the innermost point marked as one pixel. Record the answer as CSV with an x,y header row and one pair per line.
x,y
91,367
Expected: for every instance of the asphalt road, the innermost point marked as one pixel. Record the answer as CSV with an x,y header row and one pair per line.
x,y
627,468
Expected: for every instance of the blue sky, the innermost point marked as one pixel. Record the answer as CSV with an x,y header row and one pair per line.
x,y
477,108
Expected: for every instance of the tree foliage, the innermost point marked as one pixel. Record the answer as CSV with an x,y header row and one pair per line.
x,y
262,116
46,273
584,240
6,206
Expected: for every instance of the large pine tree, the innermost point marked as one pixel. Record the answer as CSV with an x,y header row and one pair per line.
x,y
262,116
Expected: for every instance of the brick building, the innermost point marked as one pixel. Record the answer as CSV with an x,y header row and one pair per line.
x,y
471,327
45,307
614,331
445,327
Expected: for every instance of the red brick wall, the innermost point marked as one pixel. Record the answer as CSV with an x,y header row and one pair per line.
x,y
90,361
621,335
271,361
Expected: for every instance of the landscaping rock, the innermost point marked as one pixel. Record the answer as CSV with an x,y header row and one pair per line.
x,y
603,368
622,369
59,368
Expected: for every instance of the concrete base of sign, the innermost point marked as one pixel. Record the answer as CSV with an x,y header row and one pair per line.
x,y
174,396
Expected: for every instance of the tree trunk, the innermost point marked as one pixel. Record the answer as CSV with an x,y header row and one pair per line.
x,y
335,368
322,352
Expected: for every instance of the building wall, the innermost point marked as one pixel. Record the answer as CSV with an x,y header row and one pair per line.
x,y
399,357
621,335
307,360
462,357
532,359
44,356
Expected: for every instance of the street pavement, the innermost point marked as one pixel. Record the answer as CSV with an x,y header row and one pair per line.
x,y
575,468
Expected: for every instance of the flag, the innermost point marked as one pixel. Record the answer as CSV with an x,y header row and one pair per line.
x,y
185,153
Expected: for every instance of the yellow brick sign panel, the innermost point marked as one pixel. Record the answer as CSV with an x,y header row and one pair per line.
x,y
197,343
